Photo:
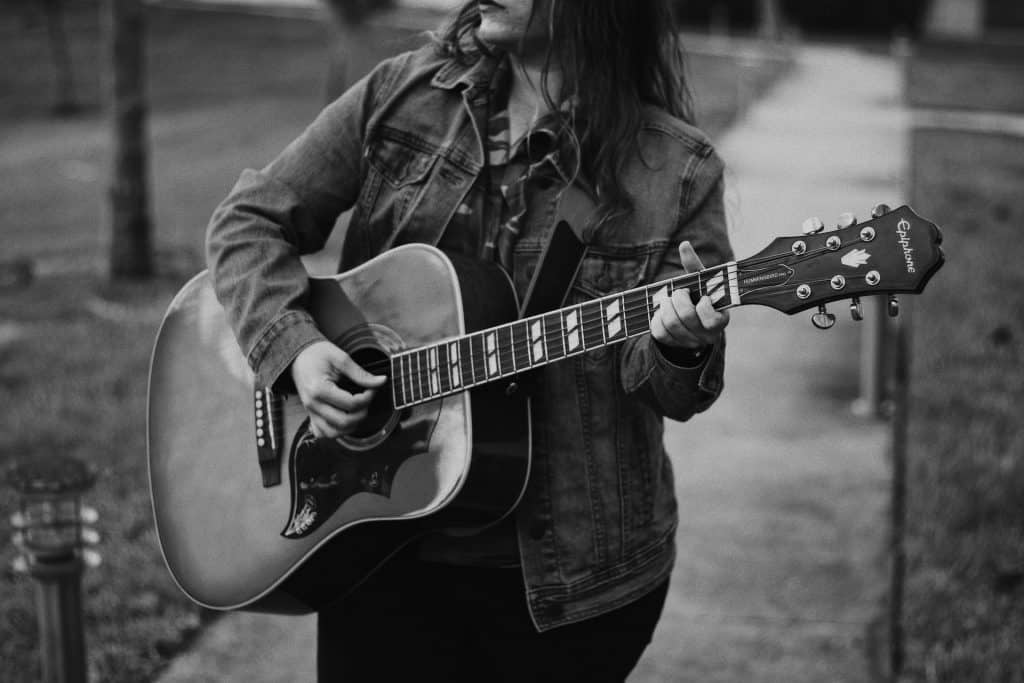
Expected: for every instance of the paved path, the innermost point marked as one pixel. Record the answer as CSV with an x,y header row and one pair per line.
x,y
782,491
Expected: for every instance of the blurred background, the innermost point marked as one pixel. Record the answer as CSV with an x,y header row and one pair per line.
x,y
124,123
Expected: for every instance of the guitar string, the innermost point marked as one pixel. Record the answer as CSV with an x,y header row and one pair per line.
x,y
424,379
504,355
676,283
586,328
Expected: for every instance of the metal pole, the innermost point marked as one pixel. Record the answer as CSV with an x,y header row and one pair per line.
x,y
59,608
898,500
872,399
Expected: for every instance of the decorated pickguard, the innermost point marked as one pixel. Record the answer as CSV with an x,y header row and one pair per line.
x,y
325,474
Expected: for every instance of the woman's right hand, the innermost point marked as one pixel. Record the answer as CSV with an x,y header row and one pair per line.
x,y
333,411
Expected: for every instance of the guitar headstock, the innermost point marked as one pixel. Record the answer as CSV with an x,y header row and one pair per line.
x,y
895,251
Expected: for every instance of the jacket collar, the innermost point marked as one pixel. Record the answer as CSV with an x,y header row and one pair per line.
x,y
472,77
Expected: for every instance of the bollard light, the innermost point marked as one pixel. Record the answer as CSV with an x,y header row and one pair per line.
x,y
52,529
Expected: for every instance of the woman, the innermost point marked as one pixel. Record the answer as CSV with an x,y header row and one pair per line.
x,y
471,143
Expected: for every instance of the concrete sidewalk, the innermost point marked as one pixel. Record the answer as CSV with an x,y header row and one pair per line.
x,y
781,491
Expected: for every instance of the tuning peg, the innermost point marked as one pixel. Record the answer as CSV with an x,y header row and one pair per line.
x,y
880,210
812,226
846,220
823,320
894,306
856,312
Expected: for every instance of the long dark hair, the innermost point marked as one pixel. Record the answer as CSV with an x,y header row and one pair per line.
x,y
615,55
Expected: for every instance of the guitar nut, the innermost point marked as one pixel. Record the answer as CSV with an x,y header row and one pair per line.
x,y
867,234
838,282
833,242
803,291
799,248
872,277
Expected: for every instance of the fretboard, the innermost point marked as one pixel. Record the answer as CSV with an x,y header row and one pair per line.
x,y
454,365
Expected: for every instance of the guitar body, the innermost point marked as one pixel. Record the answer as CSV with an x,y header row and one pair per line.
x,y
234,539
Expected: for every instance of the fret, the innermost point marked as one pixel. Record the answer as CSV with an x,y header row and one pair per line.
x,y
414,387
593,324
444,368
634,305
421,375
572,333
434,381
521,345
554,339
397,391
479,358
466,361
455,364
506,358
407,377
614,321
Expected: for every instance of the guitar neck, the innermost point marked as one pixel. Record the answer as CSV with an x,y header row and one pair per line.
x,y
455,365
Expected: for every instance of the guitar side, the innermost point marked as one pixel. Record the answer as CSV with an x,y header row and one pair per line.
x,y
341,508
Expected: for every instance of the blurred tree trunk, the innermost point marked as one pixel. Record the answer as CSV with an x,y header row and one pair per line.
x,y
769,19
347,19
131,250
64,102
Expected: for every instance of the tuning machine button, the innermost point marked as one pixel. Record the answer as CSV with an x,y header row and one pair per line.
x,y
880,210
856,312
893,306
812,226
846,220
823,320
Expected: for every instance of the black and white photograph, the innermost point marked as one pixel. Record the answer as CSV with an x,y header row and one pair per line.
x,y
511,341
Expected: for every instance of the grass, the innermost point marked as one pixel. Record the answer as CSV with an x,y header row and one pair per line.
x,y
227,91
965,591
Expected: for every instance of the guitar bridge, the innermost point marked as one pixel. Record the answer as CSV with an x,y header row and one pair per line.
x,y
267,419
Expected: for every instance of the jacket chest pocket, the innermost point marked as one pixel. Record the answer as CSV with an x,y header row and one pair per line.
x,y
603,273
403,199
399,164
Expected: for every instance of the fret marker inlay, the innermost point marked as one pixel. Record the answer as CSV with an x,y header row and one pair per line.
x,y
715,289
611,314
453,364
572,332
537,339
435,380
492,354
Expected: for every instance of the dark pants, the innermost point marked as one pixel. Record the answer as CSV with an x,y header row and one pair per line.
x,y
417,621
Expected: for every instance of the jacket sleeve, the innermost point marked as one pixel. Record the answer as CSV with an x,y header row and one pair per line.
x,y
287,209
675,391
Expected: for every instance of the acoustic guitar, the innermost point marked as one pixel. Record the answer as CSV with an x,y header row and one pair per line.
x,y
253,512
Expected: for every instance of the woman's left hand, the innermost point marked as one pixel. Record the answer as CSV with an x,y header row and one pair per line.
x,y
680,323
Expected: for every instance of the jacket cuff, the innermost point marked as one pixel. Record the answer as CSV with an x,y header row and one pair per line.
x,y
707,378
278,346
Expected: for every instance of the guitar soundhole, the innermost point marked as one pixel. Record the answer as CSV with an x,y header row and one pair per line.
x,y
381,414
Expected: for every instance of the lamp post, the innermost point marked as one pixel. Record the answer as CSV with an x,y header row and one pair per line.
x,y
51,530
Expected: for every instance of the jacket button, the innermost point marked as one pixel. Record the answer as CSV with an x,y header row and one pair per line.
x,y
537,530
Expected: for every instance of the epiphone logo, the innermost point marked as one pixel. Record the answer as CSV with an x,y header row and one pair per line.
x,y
903,230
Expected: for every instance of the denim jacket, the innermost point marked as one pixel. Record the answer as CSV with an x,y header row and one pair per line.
x,y
596,524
